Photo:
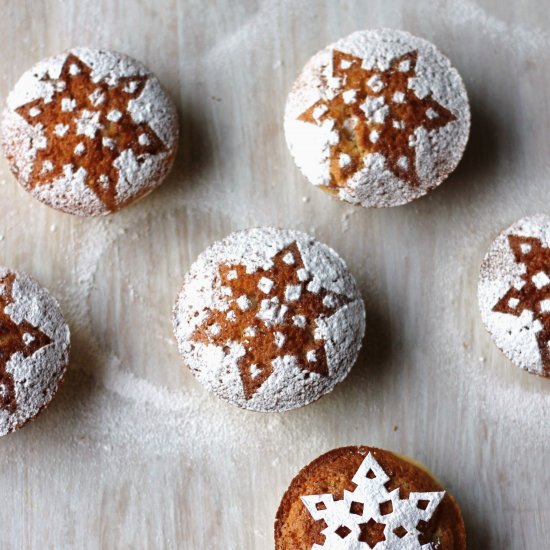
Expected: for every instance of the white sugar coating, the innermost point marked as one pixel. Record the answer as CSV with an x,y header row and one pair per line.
x,y
299,321
217,366
68,105
37,377
344,160
61,129
137,174
265,285
182,424
114,115
279,339
293,292
515,335
438,151
289,258
243,302
540,279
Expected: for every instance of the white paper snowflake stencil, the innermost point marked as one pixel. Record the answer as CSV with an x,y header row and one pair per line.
x,y
370,516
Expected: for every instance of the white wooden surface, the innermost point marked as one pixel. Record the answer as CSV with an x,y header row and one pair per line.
x,y
134,453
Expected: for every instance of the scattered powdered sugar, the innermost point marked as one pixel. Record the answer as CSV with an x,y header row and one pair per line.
x,y
79,185
516,327
117,416
288,383
36,376
433,150
514,37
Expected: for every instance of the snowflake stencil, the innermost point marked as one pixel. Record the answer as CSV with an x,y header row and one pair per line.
x,y
272,313
370,516
375,111
533,293
14,338
85,125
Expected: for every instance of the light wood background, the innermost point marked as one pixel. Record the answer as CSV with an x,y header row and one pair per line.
x,y
133,453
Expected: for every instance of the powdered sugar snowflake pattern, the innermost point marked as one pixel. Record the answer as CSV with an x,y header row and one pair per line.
x,y
370,516
385,114
21,338
269,319
34,347
514,293
89,131
279,320
378,118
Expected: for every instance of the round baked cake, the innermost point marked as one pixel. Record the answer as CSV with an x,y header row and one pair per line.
x,y
89,131
34,349
356,498
269,319
514,293
378,118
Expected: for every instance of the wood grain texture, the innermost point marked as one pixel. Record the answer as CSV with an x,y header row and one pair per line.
x,y
134,453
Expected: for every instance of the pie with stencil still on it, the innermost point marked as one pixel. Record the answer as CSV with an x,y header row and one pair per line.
x,y
269,319
356,498
89,131
378,118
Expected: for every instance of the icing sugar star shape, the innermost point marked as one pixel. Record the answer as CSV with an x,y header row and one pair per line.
x,y
370,516
374,111
272,321
533,294
85,125
14,338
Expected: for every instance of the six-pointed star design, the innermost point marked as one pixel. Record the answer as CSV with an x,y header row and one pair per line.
x,y
375,111
273,314
534,292
370,516
86,126
14,338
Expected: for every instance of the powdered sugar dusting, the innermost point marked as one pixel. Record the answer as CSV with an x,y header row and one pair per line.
x,y
114,415
437,143
112,96
517,335
284,384
37,375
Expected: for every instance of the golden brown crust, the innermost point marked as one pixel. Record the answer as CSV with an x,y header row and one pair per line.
x,y
331,473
